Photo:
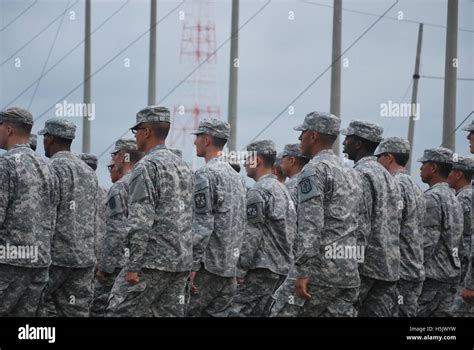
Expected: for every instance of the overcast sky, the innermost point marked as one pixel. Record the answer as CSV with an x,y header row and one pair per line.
x,y
281,51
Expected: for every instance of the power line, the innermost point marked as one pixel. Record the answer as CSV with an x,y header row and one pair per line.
x,y
323,72
433,77
196,68
459,125
66,55
19,15
386,17
109,61
37,35
49,55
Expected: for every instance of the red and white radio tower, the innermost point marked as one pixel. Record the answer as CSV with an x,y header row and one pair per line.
x,y
198,98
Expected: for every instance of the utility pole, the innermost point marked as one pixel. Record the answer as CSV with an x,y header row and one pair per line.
x,y
233,75
335,104
415,113
86,123
152,58
450,76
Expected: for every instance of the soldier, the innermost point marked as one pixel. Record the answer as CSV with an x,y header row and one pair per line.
x,y
72,249
277,171
468,291
393,153
113,251
292,162
460,180
33,141
266,254
380,209
219,220
101,203
153,280
27,214
443,230
326,270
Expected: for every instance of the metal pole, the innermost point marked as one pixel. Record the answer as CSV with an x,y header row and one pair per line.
x,y
450,75
86,124
414,109
335,99
152,59
233,76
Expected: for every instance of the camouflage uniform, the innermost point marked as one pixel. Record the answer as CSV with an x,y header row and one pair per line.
x,y
412,272
293,150
72,249
33,141
101,205
27,214
328,194
266,255
159,232
461,307
377,232
443,230
219,220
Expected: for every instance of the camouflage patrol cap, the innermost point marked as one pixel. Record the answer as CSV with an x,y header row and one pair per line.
x,y
463,163
60,127
437,154
262,147
124,145
292,150
365,130
16,115
33,141
151,114
176,151
214,127
322,122
90,159
470,127
393,145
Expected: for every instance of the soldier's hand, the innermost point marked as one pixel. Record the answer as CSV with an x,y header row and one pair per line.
x,y
102,276
301,286
132,277
467,294
192,276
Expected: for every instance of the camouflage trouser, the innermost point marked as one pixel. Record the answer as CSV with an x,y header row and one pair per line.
x,y
214,295
377,298
101,294
408,294
436,299
325,302
461,307
20,290
70,290
254,296
286,303
157,294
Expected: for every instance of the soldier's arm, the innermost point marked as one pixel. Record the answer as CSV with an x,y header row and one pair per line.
x,y
116,231
365,210
140,218
4,189
254,231
203,220
465,248
431,225
310,220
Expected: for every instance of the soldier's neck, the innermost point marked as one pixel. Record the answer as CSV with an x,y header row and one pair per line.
x,y
436,179
17,141
362,154
60,149
261,172
212,153
461,184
